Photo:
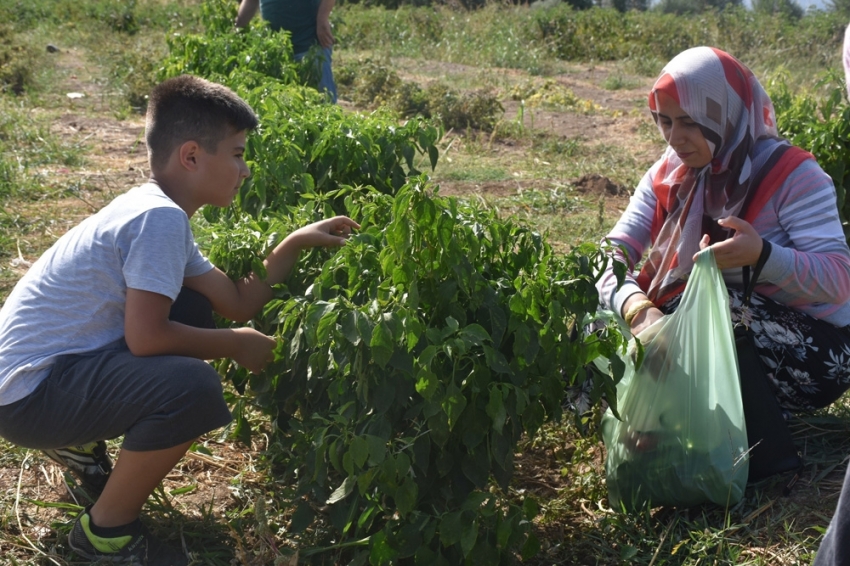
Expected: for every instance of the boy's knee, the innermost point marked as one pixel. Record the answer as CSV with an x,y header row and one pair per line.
x,y
193,404
201,380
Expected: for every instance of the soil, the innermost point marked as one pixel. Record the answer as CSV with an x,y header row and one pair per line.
x,y
623,112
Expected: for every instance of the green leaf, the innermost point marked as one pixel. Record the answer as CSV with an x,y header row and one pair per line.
x,y
405,496
427,383
476,467
452,325
377,449
407,540
628,552
433,155
475,334
426,356
326,325
380,552
242,431
350,327
301,518
496,409
468,538
530,508
453,404
531,547
382,344
343,491
364,520
359,450
422,452
496,361
505,530
451,527
315,313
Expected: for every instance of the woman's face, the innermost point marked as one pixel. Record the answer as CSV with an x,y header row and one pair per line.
x,y
681,133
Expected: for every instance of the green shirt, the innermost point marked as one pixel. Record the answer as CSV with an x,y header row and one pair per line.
x,y
296,16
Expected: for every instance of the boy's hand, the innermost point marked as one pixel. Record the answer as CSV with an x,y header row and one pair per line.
x,y
241,301
255,349
324,233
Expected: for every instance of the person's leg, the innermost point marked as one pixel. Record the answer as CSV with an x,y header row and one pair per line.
x,y
835,547
326,82
807,360
133,479
321,57
90,462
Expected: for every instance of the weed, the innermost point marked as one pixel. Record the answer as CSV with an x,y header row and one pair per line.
x,y
617,81
17,61
552,95
478,109
477,174
557,147
509,130
371,84
133,71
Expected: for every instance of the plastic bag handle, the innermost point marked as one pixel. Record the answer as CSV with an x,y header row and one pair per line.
x,y
750,285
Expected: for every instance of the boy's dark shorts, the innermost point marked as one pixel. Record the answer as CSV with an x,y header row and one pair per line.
x,y
156,402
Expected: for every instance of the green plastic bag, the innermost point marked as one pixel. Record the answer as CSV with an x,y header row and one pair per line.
x,y
682,438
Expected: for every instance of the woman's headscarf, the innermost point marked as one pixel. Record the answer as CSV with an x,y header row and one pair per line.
x,y
733,111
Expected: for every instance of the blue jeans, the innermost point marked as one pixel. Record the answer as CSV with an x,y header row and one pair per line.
x,y
326,80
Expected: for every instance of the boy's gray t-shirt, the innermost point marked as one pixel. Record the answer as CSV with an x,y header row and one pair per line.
x,y
72,299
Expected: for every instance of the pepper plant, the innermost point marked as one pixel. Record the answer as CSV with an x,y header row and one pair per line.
x,y
820,125
412,361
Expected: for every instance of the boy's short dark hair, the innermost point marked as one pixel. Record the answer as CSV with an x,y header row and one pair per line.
x,y
189,108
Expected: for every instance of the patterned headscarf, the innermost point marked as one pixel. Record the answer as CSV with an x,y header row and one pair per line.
x,y
733,111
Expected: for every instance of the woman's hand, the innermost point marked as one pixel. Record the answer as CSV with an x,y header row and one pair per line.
x,y
644,319
743,248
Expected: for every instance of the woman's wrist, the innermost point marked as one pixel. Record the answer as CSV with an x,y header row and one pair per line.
x,y
636,308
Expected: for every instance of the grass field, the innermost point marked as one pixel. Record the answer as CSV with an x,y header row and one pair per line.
x,y
563,162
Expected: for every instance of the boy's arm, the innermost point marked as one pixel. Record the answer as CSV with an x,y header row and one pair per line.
x,y
240,301
247,10
149,332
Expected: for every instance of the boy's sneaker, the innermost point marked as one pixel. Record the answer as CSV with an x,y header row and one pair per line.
x,y
89,463
134,546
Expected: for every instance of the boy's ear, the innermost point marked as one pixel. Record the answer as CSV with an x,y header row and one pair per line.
x,y
187,155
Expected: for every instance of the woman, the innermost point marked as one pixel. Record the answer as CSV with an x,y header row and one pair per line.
x,y
727,181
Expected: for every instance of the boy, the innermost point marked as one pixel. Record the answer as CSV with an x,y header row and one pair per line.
x,y
88,351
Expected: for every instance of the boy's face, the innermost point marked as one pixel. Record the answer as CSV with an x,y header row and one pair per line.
x,y
224,170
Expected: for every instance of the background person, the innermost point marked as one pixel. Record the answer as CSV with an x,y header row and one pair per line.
x,y
308,21
727,180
